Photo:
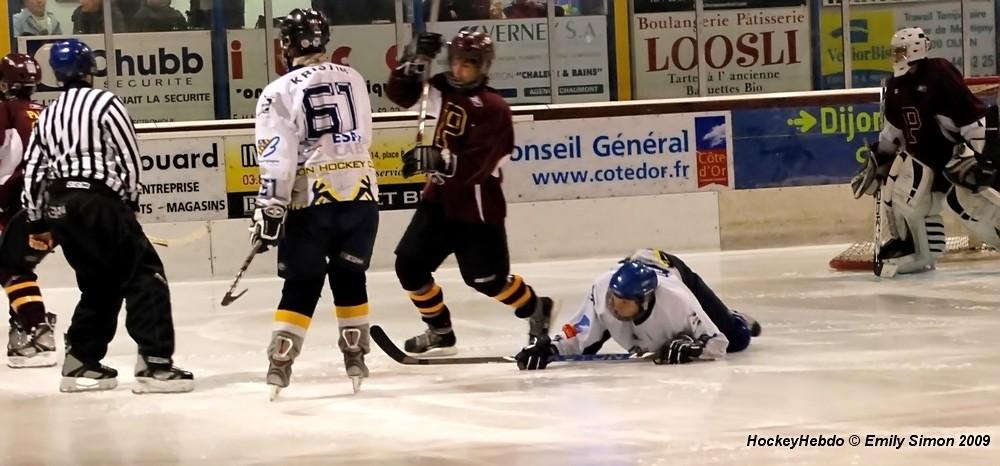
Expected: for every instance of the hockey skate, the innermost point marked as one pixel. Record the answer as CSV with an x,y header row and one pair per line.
x,y
354,343
540,320
34,349
160,375
284,348
433,342
80,377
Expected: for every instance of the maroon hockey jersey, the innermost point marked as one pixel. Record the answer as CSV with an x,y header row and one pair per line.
x,y
17,118
476,126
915,101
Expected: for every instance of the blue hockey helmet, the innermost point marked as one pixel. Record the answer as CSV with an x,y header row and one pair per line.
x,y
635,282
72,60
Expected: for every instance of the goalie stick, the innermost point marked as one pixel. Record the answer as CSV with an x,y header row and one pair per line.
x,y
388,347
877,263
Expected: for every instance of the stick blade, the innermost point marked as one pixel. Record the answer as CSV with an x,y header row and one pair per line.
x,y
229,298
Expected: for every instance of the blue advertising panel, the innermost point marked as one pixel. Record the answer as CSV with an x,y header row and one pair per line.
x,y
800,146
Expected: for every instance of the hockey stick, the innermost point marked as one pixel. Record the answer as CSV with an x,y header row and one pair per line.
x,y
179,241
230,297
385,343
425,91
877,263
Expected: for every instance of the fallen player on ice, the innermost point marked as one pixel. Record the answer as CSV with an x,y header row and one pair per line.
x,y
653,303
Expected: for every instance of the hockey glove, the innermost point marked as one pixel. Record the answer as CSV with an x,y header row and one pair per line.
x,y
536,355
870,177
681,350
419,53
427,44
429,159
267,226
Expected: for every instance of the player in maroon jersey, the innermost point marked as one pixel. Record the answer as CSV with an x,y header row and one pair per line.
x,y
463,208
931,117
31,340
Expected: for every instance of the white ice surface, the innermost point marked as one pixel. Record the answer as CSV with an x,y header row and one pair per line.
x,y
841,354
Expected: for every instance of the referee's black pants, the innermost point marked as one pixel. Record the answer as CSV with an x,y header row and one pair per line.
x,y
113,261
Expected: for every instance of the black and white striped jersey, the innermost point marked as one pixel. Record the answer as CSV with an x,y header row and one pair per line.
x,y
85,135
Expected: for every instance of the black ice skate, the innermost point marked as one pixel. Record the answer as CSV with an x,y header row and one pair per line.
x,y
159,375
36,348
433,342
80,377
354,343
540,320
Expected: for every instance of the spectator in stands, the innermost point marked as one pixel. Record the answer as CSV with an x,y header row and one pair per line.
x,y
345,12
158,15
128,8
88,18
592,7
461,10
525,9
233,14
659,6
34,20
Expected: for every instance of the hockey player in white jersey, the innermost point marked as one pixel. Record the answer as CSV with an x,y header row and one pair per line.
x,y
652,303
318,194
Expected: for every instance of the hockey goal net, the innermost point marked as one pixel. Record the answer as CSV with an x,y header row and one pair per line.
x,y
861,255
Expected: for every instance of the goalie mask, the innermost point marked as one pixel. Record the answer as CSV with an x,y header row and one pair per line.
x,y
908,45
630,293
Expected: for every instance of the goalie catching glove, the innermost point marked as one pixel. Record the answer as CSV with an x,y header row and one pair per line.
x,y
438,163
267,226
681,350
870,177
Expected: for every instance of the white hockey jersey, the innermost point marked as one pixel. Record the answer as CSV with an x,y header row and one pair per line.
x,y
314,129
676,311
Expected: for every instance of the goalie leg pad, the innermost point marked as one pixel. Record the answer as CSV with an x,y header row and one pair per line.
x,y
913,210
978,213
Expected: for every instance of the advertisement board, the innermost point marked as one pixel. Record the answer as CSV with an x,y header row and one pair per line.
x,y
160,77
872,27
802,146
621,156
745,50
181,180
520,71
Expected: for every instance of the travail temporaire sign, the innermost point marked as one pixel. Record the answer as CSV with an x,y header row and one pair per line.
x,y
872,27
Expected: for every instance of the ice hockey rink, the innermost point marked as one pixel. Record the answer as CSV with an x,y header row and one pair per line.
x,y
841,354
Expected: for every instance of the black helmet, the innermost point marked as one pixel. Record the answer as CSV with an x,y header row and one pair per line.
x,y
303,32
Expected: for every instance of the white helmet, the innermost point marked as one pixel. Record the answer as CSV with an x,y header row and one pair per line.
x,y
908,46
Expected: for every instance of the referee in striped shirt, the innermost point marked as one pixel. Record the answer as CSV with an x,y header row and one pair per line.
x,y
81,191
